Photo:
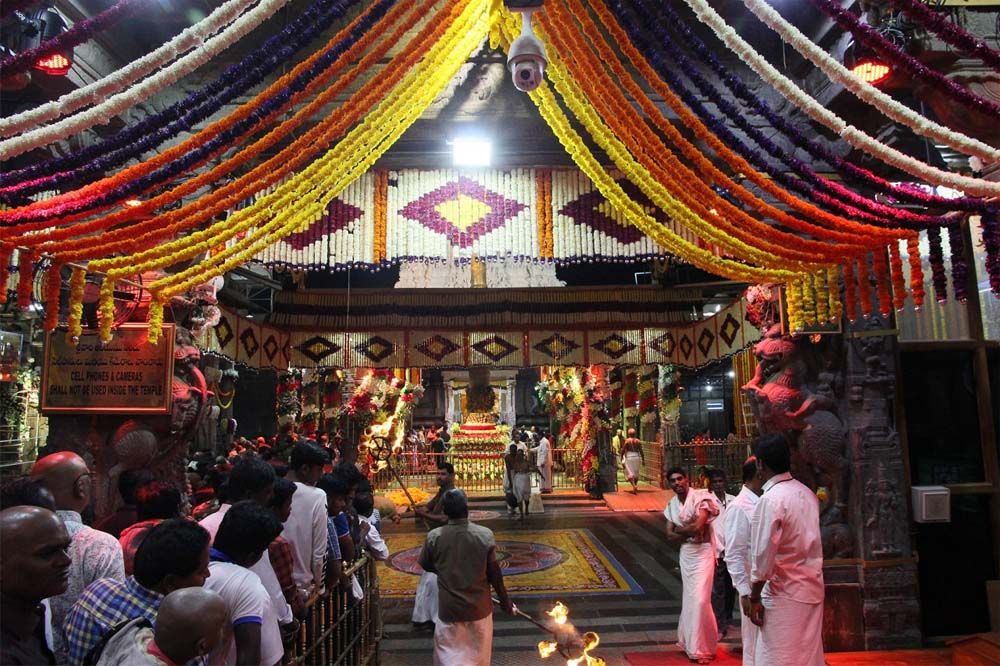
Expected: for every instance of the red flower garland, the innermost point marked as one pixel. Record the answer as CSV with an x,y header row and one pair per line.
x,y
864,287
882,281
850,293
916,272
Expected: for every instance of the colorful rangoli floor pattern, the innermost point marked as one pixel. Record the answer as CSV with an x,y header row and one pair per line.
x,y
535,563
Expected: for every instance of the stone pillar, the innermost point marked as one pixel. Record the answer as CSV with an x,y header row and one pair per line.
x,y
878,508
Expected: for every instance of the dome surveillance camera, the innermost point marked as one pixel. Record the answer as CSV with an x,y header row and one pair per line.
x,y
526,58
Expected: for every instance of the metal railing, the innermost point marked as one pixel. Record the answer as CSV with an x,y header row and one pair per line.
x,y
725,454
476,471
338,630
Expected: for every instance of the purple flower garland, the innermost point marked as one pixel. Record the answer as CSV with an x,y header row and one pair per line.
x,y
871,38
938,277
183,115
189,160
949,32
809,183
991,243
850,171
78,34
959,269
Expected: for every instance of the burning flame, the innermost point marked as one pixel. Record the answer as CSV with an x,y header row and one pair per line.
x,y
559,613
590,641
547,648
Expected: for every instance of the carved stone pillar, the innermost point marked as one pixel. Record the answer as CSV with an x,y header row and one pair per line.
x,y
878,512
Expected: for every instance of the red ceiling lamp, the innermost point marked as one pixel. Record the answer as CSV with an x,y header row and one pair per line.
x,y
871,70
53,64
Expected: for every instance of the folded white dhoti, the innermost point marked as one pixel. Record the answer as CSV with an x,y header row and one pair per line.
x,y
697,633
464,643
425,604
792,634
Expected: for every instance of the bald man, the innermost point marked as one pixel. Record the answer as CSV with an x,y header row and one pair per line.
x,y
189,624
95,555
34,565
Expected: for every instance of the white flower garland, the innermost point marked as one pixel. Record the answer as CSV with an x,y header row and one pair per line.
x,y
103,112
866,92
113,83
819,113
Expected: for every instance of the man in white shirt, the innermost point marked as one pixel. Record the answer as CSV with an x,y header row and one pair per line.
x,y
306,525
253,479
543,459
690,516
736,528
786,563
364,504
251,634
723,594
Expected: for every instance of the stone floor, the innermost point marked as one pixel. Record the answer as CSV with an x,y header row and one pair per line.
x,y
625,622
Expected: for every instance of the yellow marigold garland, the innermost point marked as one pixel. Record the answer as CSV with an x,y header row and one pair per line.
x,y
836,306
576,101
106,308
793,299
543,199
77,281
822,296
636,215
155,320
808,299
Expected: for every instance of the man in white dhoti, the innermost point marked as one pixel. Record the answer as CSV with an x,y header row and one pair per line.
x,y
425,604
689,522
786,564
463,555
736,528
543,459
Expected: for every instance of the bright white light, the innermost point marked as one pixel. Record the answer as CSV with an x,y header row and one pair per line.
x,y
708,387
718,307
731,374
471,152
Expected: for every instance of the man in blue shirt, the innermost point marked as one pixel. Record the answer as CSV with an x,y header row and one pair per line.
x,y
173,556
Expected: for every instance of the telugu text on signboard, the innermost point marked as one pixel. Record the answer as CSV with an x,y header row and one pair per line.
x,y
127,375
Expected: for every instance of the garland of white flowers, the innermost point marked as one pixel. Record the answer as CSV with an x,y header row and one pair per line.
x,y
119,79
822,115
866,92
103,112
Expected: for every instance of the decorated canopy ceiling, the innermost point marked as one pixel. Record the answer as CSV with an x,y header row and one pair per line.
x,y
678,193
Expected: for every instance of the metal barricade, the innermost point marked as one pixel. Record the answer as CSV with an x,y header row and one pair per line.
x,y
725,454
337,629
477,472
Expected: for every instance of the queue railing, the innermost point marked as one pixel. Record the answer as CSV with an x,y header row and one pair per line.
x,y
339,630
725,454
477,472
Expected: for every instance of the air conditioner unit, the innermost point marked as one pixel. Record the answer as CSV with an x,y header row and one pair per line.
x,y
931,504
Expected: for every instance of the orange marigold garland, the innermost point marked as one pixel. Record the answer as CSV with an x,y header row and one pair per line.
x,y
882,281
543,199
381,214
53,285
24,278
916,272
850,292
864,287
898,282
